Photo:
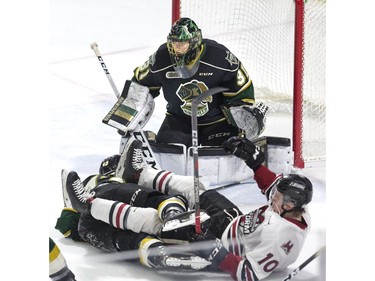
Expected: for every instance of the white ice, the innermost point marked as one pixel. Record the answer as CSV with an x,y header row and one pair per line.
x,y
127,32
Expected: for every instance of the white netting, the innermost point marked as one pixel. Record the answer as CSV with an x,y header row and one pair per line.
x,y
261,34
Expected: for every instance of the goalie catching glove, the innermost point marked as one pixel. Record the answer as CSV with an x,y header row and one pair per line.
x,y
250,119
246,150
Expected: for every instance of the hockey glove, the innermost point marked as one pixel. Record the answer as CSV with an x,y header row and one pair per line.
x,y
246,150
109,165
251,119
213,251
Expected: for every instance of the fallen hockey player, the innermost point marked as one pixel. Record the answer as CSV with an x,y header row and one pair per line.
x,y
247,246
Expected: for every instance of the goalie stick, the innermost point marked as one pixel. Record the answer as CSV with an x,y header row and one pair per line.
x,y
306,262
194,136
147,151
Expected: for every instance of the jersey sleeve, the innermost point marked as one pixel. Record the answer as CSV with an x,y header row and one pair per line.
x,y
241,89
234,75
145,75
265,179
239,269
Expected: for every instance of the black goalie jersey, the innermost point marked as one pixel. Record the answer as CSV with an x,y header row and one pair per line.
x,y
218,67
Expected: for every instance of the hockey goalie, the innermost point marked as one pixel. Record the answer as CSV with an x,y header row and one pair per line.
x,y
183,68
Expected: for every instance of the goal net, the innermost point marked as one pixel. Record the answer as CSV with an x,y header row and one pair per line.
x,y
283,50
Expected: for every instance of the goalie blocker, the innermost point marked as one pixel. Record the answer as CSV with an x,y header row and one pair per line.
x,y
132,110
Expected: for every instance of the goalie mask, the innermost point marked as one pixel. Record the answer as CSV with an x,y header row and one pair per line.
x,y
296,189
184,43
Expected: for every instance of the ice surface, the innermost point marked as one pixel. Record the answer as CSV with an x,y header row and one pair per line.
x,y
127,32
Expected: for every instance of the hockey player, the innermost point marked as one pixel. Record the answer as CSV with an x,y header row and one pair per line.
x,y
186,66
134,220
251,246
247,246
58,268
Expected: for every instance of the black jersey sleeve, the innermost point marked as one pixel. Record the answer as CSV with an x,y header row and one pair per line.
x,y
150,74
241,89
234,74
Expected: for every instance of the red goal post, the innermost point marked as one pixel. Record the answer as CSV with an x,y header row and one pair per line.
x,y
282,45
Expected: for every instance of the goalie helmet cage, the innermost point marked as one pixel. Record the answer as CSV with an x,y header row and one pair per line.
x,y
282,45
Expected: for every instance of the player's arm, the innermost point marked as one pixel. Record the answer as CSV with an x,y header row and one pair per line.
x,y
219,256
253,157
241,88
239,106
143,75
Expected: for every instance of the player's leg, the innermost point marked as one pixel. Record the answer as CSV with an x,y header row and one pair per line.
x,y
158,180
58,267
150,250
170,183
221,210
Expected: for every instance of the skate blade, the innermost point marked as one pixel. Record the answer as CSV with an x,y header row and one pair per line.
x,y
195,263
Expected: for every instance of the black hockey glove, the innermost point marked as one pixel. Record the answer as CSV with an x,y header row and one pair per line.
x,y
246,150
109,165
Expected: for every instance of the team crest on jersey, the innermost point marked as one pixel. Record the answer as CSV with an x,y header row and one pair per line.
x,y
231,58
188,91
252,220
287,247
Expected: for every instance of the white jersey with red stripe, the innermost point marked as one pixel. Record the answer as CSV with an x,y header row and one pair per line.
x,y
267,240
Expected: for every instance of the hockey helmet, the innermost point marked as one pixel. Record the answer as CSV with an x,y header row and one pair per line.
x,y
184,45
296,189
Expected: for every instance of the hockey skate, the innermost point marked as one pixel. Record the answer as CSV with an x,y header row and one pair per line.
x,y
64,175
181,228
156,255
131,162
172,207
76,192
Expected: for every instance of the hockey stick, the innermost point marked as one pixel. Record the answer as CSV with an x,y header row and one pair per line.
x,y
306,262
230,184
147,151
95,48
194,135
